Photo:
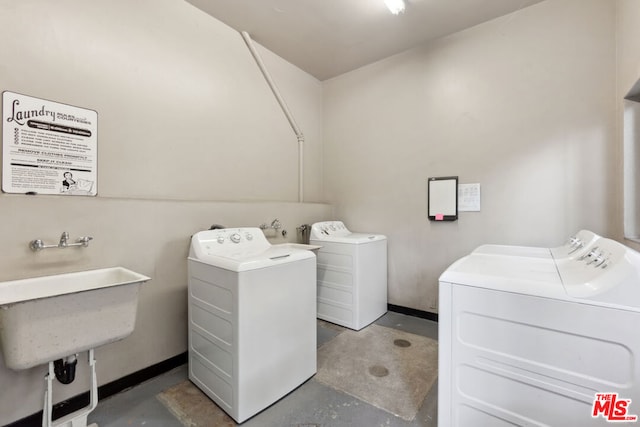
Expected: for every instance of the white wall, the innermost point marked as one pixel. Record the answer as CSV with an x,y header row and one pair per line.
x,y
189,135
523,105
174,89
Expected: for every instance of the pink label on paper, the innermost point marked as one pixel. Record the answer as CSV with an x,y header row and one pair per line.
x,y
439,217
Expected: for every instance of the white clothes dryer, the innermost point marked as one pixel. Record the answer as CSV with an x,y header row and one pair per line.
x,y
252,318
539,341
352,274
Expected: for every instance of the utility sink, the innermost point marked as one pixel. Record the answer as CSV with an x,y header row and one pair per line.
x,y
47,318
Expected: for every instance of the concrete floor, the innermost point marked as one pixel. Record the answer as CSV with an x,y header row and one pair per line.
x,y
310,405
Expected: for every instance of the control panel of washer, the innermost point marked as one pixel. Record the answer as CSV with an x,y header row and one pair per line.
x,y
577,246
233,236
609,271
329,228
231,242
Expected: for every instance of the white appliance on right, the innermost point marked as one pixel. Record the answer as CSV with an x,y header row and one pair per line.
x,y
352,274
527,339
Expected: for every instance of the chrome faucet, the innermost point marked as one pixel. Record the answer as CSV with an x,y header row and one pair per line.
x,y
64,240
275,224
38,244
83,241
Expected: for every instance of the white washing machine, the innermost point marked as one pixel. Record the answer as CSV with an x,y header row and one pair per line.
x,y
352,274
252,318
531,341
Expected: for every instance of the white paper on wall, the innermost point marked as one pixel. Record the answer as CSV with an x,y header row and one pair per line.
x,y
48,147
469,197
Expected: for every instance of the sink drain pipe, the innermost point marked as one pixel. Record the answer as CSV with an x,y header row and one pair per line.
x,y
285,110
65,369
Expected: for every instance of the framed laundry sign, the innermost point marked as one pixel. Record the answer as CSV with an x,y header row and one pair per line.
x,y
48,147
443,198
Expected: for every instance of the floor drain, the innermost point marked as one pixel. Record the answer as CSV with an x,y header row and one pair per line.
x,y
402,343
378,371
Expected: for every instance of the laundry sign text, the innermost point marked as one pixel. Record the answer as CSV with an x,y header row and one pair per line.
x,y
48,147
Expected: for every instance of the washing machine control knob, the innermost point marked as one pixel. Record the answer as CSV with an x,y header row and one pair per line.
x,y
248,236
220,239
235,238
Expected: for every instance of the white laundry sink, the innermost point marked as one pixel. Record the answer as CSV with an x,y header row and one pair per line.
x,y
47,318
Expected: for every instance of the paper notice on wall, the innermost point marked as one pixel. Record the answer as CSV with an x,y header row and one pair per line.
x,y
469,197
48,147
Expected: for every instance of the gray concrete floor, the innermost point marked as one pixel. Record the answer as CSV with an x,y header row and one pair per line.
x,y
310,405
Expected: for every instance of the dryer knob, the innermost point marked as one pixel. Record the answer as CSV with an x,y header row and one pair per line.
x,y
248,236
235,238
221,239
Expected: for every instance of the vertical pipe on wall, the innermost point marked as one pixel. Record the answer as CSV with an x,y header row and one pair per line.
x,y
285,110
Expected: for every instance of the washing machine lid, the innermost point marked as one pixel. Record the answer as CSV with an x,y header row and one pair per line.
x,y
242,249
269,258
510,273
523,251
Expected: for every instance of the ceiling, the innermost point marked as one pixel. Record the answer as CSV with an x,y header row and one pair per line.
x,y
329,37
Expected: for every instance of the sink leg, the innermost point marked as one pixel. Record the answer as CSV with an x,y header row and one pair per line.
x,y
75,419
46,412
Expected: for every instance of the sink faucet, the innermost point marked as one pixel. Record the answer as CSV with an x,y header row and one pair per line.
x,y
275,224
38,244
64,240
